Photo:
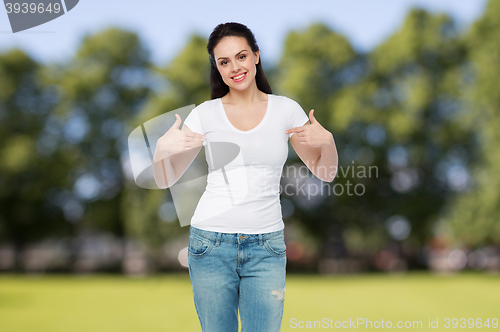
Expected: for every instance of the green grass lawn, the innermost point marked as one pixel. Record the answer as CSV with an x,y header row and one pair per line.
x,y
120,304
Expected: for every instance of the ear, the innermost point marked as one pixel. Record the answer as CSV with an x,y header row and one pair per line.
x,y
257,57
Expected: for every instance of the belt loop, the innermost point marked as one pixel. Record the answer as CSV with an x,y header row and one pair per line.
x,y
217,241
260,239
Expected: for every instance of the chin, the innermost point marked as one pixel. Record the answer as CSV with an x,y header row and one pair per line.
x,y
241,87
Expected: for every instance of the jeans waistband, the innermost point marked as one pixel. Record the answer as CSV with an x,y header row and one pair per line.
x,y
234,237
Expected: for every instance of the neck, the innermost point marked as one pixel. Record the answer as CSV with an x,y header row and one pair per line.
x,y
245,97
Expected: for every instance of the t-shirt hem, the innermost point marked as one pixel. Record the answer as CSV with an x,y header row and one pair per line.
x,y
279,223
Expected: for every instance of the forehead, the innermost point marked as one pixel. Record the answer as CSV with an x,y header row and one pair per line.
x,y
229,46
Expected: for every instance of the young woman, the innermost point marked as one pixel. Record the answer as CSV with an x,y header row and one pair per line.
x,y
237,252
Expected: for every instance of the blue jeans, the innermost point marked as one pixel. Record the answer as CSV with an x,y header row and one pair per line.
x,y
231,271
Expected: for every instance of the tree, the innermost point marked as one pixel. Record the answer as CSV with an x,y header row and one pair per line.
x,y
394,116
473,215
100,90
406,119
31,165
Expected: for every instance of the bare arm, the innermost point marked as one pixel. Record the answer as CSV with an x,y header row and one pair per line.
x,y
174,154
322,161
316,147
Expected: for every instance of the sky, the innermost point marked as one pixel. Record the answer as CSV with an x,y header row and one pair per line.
x,y
165,26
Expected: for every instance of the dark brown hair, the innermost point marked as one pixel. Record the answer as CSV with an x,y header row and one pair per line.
x,y
217,85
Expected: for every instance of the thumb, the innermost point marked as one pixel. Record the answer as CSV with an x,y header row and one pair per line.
x,y
177,122
312,118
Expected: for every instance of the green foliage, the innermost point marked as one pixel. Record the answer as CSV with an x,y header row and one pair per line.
x,y
474,215
101,89
409,90
17,154
414,91
313,67
27,175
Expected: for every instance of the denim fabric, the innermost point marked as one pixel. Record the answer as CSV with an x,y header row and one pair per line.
x,y
231,271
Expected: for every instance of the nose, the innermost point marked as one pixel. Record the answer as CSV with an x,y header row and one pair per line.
x,y
236,68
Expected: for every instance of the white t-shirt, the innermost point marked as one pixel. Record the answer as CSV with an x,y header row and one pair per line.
x,y
245,167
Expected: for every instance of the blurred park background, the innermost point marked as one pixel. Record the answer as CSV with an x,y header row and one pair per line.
x,y
415,123
420,110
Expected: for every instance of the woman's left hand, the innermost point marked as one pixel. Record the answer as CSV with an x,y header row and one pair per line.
x,y
312,134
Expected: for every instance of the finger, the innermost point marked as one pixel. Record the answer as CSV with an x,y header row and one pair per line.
x,y
312,118
295,130
195,135
301,134
177,122
191,140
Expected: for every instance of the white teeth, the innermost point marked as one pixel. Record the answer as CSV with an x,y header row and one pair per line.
x,y
238,77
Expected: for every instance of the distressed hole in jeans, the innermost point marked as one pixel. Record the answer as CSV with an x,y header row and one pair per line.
x,y
279,294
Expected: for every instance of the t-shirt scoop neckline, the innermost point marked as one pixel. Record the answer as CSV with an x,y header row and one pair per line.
x,y
261,123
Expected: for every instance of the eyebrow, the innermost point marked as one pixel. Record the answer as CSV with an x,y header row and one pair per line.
x,y
228,58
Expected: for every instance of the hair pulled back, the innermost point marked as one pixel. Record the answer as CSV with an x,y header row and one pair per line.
x,y
217,85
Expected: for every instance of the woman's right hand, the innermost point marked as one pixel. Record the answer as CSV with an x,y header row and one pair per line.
x,y
177,141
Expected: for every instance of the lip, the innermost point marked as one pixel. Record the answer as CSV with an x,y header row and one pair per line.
x,y
241,79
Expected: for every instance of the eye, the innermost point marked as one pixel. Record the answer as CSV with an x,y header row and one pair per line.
x,y
244,56
223,62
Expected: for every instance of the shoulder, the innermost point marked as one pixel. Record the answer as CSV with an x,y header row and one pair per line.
x,y
207,105
285,101
210,102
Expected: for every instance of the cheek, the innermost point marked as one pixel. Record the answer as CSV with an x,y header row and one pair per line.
x,y
223,73
251,65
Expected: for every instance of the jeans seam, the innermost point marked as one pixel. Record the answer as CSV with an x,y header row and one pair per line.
x,y
206,252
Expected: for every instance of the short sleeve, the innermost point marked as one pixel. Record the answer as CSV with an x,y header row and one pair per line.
x,y
297,116
193,121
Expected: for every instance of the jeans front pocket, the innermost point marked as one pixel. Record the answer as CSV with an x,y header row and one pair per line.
x,y
276,245
199,246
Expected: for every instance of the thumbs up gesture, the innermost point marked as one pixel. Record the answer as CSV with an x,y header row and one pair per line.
x,y
177,141
312,134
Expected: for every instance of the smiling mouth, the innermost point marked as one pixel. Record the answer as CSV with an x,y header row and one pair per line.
x,y
239,77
